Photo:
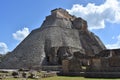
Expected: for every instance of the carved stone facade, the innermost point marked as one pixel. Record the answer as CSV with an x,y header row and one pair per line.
x,y
108,61
104,64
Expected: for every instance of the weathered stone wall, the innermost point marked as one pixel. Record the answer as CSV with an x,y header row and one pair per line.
x,y
114,61
65,66
106,61
90,43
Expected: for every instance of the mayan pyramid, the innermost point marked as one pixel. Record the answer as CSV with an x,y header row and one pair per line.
x,y
59,36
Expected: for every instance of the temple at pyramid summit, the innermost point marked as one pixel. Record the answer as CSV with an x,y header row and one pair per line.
x,y
63,43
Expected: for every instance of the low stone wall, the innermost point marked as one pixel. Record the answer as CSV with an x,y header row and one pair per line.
x,y
71,74
51,68
48,74
103,69
102,75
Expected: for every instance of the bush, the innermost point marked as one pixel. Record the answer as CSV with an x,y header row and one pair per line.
x,y
15,74
24,75
21,69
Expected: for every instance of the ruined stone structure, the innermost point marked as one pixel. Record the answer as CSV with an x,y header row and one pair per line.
x,y
106,60
62,40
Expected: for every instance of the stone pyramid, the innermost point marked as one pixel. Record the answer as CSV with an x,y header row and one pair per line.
x,y
60,35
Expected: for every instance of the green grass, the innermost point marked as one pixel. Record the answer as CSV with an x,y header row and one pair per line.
x,y
62,78
75,78
59,78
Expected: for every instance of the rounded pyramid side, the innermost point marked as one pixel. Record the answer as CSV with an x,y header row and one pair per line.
x,y
31,51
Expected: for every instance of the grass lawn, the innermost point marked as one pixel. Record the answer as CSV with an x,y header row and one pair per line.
x,y
75,78
62,78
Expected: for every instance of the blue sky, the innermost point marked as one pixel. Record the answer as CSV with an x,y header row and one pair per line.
x,y
19,17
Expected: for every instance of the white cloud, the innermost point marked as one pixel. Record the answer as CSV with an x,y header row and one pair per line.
x,y
21,34
97,15
113,37
115,45
3,48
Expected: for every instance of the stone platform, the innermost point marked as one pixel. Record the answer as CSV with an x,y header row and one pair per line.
x,y
93,74
102,75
